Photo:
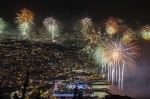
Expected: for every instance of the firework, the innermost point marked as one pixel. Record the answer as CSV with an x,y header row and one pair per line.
x,y
93,36
129,36
25,20
99,57
86,22
111,26
25,15
88,50
116,55
83,26
25,28
52,26
2,25
145,32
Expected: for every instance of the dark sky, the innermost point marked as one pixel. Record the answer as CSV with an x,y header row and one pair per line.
x,y
67,10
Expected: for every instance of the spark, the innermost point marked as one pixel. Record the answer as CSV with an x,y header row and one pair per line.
x,y
86,22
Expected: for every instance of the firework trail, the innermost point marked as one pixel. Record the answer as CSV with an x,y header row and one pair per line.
x,y
2,25
145,32
117,56
25,20
93,36
52,26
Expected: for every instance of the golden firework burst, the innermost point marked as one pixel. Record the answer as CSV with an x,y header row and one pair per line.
x,y
25,15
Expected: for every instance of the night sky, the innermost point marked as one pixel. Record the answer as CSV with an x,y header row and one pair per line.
x,y
69,11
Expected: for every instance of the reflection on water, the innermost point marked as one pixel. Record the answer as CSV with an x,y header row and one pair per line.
x,y
99,85
100,94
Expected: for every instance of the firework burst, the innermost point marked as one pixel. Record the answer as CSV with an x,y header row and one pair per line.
x,y
25,20
111,26
128,36
145,32
86,22
94,37
25,15
116,55
83,26
52,26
